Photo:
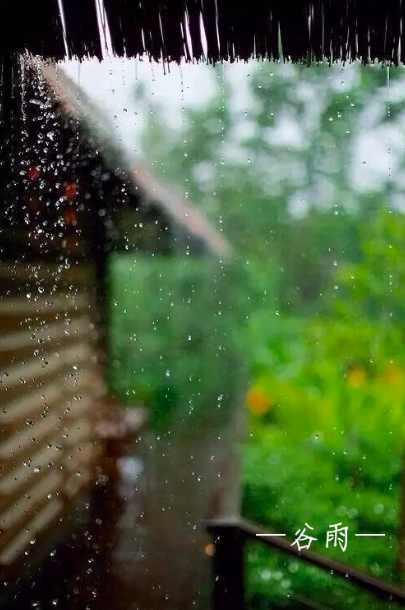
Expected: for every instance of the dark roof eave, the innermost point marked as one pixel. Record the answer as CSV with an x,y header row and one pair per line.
x,y
307,30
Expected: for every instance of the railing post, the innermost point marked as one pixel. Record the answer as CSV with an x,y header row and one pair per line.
x,y
228,566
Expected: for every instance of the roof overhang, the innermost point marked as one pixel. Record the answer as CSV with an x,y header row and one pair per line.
x,y
74,103
300,30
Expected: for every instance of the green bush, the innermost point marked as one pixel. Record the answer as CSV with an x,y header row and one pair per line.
x,y
327,409
174,342
288,484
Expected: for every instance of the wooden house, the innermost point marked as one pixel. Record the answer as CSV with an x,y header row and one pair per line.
x,y
64,181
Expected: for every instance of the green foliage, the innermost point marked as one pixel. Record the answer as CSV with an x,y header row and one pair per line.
x,y
375,287
251,194
289,484
332,434
172,337
320,295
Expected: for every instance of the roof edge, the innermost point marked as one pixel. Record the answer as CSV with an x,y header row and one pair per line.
x,y
77,105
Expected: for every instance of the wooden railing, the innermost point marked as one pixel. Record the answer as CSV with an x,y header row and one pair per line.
x,y
229,537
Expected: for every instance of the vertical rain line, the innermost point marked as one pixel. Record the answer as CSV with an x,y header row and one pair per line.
x,y
163,53
188,35
62,18
387,313
104,30
183,122
183,37
388,116
203,37
400,34
222,157
217,26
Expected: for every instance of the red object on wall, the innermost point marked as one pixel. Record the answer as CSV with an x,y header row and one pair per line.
x,y
70,190
69,216
33,173
33,205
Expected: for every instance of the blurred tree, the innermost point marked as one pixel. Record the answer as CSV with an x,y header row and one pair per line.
x,y
277,177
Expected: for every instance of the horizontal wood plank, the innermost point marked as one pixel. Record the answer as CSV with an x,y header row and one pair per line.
x,y
24,474
74,396
23,486
79,431
85,404
29,407
28,376
45,333
21,346
29,312
22,541
82,454
19,514
76,484
78,274
26,442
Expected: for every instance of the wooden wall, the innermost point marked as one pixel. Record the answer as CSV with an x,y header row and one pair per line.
x,y
50,382
54,201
